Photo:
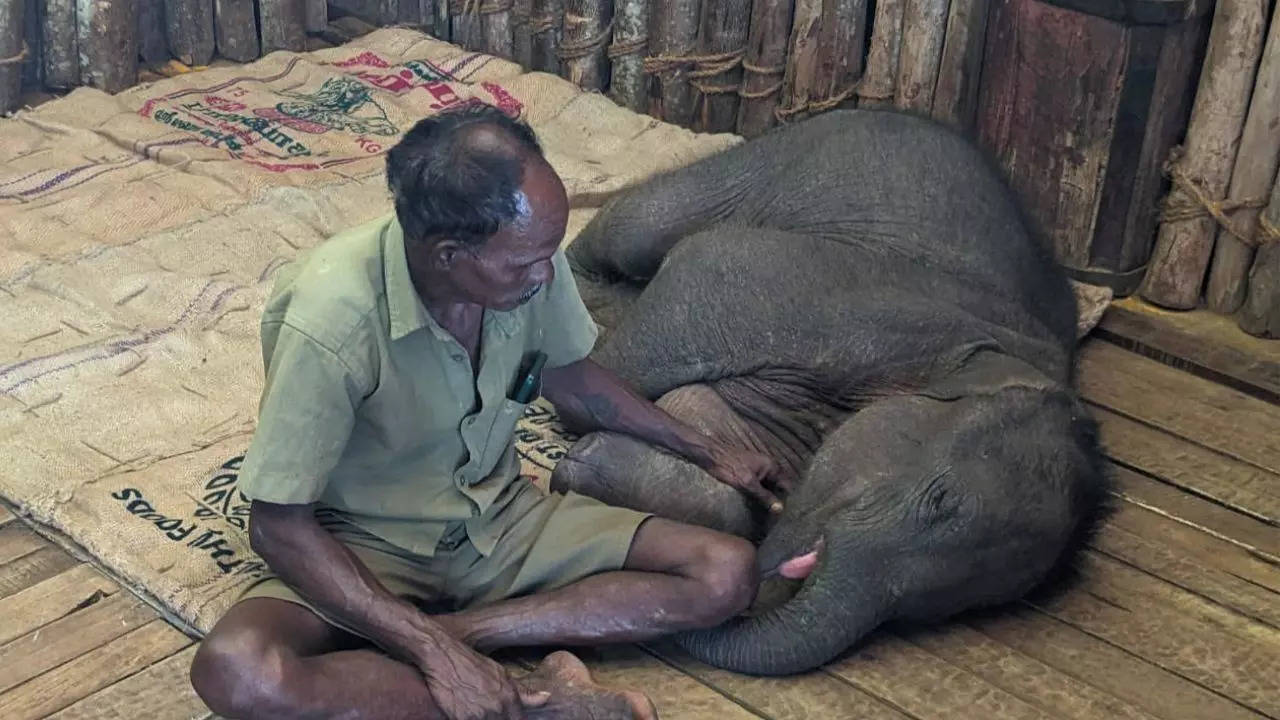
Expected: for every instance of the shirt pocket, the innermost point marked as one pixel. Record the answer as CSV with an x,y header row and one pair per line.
x,y
500,433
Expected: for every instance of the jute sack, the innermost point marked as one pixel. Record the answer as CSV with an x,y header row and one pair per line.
x,y
139,236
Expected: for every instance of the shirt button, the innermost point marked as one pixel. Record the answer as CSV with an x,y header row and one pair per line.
x,y
457,358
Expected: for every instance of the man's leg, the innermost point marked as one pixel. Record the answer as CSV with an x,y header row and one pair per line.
x,y
270,658
676,577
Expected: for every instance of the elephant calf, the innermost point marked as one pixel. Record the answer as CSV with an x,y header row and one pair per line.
x,y
858,296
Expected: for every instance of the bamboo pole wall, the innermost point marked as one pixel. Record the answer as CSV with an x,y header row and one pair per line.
x,y
57,45
748,65
1217,244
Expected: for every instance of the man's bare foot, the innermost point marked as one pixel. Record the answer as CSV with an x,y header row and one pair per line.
x,y
575,696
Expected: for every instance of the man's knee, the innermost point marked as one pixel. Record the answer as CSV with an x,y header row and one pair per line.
x,y
238,675
727,571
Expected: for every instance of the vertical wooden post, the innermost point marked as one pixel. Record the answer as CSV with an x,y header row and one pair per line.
x,y
317,14
153,47
764,65
284,25
1183,246
190,26
468,29
879,83
521,37
545,27
674,35
924,27
955,97
800,81
107,38
718,78
843,36
443,13
32,35
1255,168
628,84
1260,313
61,59
12,53
495,19
236,29
587,28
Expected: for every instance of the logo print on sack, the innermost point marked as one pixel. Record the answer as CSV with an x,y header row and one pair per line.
x,y
290,130
335,106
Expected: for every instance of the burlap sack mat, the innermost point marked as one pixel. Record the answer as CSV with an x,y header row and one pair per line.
x,y
139,235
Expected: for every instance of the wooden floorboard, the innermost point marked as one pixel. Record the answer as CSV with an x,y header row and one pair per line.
x,y
1231,591
1200,342
86,674
909,677
1027,678
1196,512
43,649
1196,639
1106,666
802,697
49,600
16,541
160,691
1220,418
20,574
1198,470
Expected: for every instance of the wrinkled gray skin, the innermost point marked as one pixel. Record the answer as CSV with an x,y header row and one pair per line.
x,y
857,296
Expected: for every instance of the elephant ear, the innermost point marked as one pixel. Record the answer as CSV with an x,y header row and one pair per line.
x,y
987,372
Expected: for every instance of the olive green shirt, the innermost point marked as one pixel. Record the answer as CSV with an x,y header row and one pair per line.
x,y
371,409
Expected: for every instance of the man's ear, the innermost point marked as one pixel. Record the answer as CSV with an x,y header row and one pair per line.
x,y
444,253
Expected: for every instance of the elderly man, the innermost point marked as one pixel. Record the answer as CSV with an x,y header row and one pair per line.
x,y
383,474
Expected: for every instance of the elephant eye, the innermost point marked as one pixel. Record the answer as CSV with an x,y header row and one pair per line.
x,y
940,502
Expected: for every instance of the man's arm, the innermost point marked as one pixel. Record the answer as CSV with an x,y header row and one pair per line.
x,y
590,397
329,576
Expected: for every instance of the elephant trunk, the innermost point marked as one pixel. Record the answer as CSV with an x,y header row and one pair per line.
x,y
823,619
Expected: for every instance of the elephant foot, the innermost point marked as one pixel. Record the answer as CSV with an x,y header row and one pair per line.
x,y
575,696
620,470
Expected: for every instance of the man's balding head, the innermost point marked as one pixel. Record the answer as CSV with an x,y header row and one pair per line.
x,y
457,175
482,211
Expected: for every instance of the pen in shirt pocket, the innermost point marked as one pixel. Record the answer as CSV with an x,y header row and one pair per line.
x,y
527,381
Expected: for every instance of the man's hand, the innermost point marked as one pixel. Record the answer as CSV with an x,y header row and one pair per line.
x,y
469,686
746,470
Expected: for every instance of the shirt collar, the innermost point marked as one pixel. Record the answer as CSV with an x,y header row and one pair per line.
x,y
406,313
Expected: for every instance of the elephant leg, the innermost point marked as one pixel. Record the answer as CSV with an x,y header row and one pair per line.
x,y
628,238
620,470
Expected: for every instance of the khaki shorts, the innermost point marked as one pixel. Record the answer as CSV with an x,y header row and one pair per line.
x,y
556,539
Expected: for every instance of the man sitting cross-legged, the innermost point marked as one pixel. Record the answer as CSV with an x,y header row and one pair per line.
x,y
383,474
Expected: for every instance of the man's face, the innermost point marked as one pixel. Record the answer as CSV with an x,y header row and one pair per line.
x,y
515,263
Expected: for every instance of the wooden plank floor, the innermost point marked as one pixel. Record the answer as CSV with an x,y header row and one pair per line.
x,y
1176,615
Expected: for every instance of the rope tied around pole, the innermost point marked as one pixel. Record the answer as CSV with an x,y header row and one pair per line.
x,y
1267,232
1189,201
475,8
572,50
541,24
21,56
816,106
622,48
765,70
